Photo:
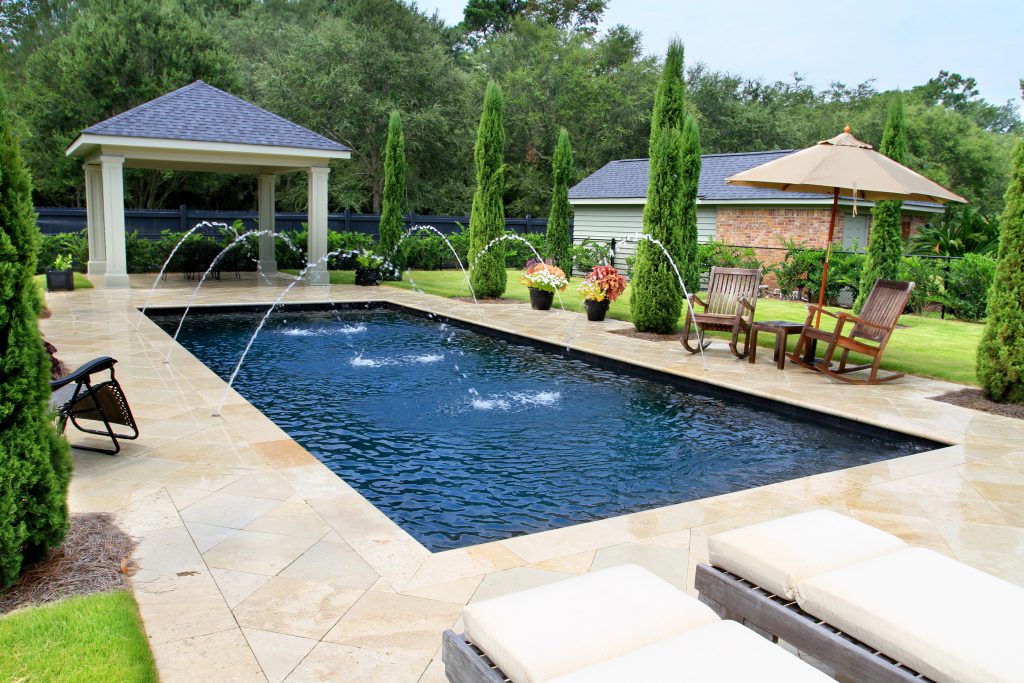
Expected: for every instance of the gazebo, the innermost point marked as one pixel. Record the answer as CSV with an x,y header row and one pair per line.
x,y
200,128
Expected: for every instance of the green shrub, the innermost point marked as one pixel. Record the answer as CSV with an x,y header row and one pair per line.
x,y
74,243
929,278
885,246
588,254
657,298
393,201
689,255
426,252
558,243
487,217
721,255
346,242
804,267
517,253
967,286
35,467
1001,352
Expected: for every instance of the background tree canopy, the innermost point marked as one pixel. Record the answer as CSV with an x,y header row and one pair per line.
x,y
341,68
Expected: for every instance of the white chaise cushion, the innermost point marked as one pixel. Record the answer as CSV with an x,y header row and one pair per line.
x,y
949,621
715,653
778,554
544,632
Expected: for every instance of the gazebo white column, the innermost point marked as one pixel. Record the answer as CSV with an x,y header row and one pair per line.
x,y
268,256
317,223
94,219
116,274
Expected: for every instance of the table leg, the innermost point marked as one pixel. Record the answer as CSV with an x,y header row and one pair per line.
x,y
753,346
780,350
810,351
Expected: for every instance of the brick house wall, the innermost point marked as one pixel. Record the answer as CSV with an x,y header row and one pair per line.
x,y
768,227
910,224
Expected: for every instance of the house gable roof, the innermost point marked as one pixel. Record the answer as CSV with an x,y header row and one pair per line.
x,y
200,112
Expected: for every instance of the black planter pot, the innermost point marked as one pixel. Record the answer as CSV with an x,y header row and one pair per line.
x,y
368,277
597,310
540,300
58,280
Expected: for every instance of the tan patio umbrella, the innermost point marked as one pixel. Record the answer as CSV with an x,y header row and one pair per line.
x,y
843,165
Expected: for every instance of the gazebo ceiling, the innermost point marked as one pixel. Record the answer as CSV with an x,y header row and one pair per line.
x,y
201,128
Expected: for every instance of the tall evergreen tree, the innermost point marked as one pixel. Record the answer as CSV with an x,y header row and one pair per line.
x,y
558,241
1001,351
34,464
670,97
487,218
688,263
393,200
885,245
657,299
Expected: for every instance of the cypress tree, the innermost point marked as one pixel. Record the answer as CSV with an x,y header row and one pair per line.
x,y
393,200
885,245
1001,351
669,98
487,217
34,463
558,242
688,264
657,299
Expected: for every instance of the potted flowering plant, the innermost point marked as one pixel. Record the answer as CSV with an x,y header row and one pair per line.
x,y
368,268
603,285
60,276
544,280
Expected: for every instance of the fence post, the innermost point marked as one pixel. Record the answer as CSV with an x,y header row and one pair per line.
x,y
182,217
945,285
348,220
529,223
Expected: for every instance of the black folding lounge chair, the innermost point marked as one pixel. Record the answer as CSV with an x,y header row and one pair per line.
x,y
76,398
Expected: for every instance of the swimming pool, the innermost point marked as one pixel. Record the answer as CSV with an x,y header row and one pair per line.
x,y
461,437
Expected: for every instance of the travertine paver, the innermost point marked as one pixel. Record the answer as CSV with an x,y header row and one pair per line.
x,y
258,563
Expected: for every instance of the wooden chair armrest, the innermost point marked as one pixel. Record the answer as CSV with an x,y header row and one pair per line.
x,y
861,321
694,299
814,308
745,303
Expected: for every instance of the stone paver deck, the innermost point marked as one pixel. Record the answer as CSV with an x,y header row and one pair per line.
x,y
257,563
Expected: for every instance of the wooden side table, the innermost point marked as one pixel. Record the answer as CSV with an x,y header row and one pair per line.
x,y
781,329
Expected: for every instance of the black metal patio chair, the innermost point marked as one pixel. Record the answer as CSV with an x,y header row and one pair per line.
x,y
75,397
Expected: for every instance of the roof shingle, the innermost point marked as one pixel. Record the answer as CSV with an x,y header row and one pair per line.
x,y
204,113
627,178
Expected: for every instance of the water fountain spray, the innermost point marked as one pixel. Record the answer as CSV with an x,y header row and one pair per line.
x,y
637,237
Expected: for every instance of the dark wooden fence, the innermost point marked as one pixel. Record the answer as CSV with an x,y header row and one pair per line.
x,y
149,223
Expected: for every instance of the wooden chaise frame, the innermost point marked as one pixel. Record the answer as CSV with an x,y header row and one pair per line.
x,y
466,663
731,300
774,617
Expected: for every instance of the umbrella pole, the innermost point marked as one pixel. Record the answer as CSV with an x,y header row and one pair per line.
x,y
828,254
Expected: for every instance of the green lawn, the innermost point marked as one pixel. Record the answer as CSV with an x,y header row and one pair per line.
x,y
92,638
81,282
944,349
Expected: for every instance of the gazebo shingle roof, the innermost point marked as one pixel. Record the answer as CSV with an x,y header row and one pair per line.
x,y
201,112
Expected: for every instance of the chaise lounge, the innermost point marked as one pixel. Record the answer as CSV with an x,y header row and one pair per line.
x,y
864,603
615,625
76,398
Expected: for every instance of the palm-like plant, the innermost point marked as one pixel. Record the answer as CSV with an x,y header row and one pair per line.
x,y
962,230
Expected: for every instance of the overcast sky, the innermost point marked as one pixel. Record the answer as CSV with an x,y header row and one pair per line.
x,y
900,43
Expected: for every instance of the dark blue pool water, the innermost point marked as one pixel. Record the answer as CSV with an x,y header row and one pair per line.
x,y
461,438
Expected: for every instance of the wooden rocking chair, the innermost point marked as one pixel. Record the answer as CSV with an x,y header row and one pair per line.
x,y
731,299
869,336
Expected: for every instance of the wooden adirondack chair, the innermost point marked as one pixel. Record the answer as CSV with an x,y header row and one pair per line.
x,y
869,335
731,299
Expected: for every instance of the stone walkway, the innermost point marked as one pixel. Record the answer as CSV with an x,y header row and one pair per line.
x,y
257,563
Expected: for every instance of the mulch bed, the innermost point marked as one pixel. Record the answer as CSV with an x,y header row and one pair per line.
x,y
95,558
648,336
469,299
975,400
